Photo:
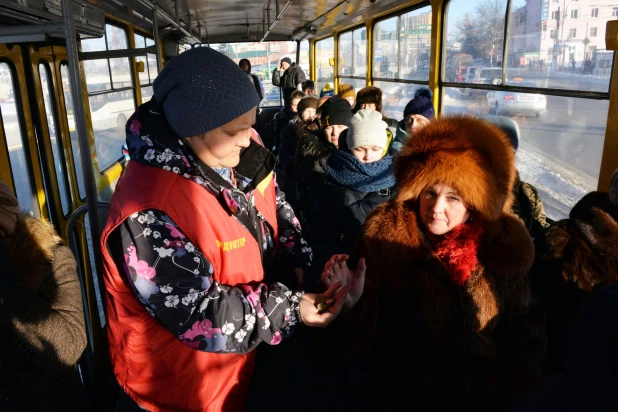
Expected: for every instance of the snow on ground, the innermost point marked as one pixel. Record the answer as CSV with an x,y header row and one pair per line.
x,y
559,186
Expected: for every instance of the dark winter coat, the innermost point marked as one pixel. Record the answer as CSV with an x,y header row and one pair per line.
x,y
420,337
574,257
342,203
528,207
292,77
42,333
312,152
286,165
282,120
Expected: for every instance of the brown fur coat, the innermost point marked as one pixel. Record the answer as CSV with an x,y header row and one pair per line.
x,y
42,333
575,257
426,340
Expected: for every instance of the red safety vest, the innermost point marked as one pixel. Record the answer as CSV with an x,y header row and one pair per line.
x,y
151,365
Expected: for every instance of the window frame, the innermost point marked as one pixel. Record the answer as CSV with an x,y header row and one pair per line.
x,y
112,89
547,91
397,14
36,206
351,31
58,132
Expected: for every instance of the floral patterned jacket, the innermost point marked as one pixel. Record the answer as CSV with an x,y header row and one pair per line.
x,y
175,281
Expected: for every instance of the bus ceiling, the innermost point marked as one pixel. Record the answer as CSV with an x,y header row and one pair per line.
x,y
212,21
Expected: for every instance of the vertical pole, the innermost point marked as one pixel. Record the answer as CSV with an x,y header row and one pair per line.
x,y
155,34
176,6
82,131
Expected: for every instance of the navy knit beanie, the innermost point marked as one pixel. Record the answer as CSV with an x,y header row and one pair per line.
x,y
421,104
202,89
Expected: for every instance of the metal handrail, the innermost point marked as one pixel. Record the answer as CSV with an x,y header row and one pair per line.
x,y
88,355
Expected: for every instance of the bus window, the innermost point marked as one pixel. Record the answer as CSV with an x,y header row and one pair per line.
x,y
147,77
324,51
68,102
109,113
16,141
54,137
111,97
386,49
561,137
475,35
304,57
353,58
560,53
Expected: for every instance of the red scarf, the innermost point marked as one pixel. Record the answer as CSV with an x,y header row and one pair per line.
x,y
458,250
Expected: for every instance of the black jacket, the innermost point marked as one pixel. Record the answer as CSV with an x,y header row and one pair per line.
x,y
338,215
292,77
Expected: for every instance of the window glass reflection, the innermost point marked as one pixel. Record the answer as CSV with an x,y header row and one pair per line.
x,y
16,141
561,140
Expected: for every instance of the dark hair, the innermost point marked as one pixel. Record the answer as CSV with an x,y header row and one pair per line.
x,y
245,61
297,95
308,84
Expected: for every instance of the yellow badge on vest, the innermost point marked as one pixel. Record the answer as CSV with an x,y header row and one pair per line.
x,y
232,244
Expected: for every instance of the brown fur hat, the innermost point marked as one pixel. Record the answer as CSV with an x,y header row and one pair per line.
x,y
464,152
369,94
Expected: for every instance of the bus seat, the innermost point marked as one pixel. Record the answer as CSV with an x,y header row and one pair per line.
x,y
263,126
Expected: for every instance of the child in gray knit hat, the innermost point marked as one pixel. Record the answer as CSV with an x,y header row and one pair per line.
x,y
367,138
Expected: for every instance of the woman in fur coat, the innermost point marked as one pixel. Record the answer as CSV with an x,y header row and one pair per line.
x,y
447,319
42,333
574,257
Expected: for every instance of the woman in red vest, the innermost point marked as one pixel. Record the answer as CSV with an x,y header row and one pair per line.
x,y
195,224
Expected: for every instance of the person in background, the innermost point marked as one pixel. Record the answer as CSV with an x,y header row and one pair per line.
x,y
527,204
327,90
358,178
314,149
195,225
575,256
288,113
288,74
370,98
346,91
449,267
308,87
42,329
290,135
417,114
245,65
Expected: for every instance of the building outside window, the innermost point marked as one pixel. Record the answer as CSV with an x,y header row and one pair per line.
x,y
593,32
573,14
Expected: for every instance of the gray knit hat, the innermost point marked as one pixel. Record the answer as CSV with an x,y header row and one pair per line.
x,y
367,129
202,89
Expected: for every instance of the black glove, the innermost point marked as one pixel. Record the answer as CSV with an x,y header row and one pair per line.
x,y
7,277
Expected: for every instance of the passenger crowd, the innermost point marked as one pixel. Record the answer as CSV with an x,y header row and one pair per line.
x,y
427,269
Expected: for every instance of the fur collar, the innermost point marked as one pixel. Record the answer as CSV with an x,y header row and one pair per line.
x,y
32,247
596,219
392,234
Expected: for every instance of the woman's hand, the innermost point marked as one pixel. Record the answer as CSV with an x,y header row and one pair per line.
x,y
336,271
309,312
